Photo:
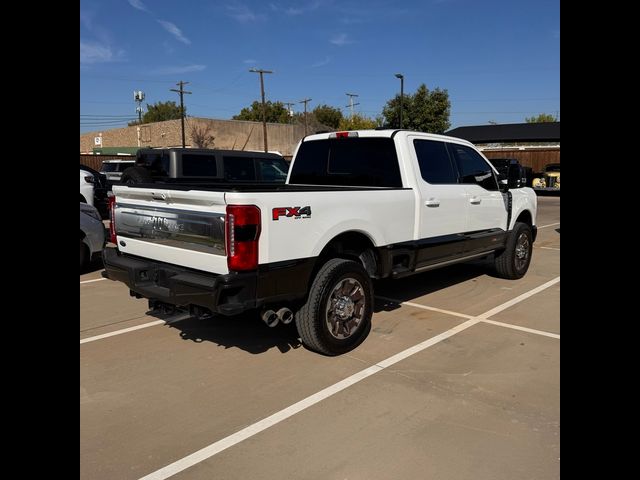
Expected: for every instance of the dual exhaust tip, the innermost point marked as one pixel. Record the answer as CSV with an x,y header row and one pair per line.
x,y
271,318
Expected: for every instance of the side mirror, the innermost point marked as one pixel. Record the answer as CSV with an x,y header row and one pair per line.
x,y
515,176
503,182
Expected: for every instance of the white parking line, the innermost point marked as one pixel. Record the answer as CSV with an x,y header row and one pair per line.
x,y
254,429
131,329
91,281
524,329
425,307
550,225
550,248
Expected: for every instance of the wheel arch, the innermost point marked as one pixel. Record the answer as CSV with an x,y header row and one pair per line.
x,y
351,245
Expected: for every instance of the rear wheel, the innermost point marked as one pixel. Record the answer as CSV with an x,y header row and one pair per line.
x,y
513,262
337,315
134,175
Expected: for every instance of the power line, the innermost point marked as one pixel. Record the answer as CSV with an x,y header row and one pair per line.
x,y
351,104
181,91
305,101
264,106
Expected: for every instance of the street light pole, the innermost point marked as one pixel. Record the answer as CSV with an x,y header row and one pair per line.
x,y
264,107
401,77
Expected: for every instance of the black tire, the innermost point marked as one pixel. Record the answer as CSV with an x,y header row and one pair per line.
x,y
83,255
341,285
82,199
134,175
513,262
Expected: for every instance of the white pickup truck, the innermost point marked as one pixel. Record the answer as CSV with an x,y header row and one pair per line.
x,y
356,206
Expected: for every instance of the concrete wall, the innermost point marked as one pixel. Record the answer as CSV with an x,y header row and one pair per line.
x,y
229,134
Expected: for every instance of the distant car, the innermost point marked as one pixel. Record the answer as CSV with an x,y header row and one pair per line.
x,y
93,190
92,234
113,169
549,181
206,165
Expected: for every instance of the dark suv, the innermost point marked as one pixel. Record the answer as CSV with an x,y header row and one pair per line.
x,y
524,174
225,166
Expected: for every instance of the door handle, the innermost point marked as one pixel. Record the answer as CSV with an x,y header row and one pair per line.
x,y
432,202
475,200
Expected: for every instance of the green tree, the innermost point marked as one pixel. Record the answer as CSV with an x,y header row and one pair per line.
x,y
543,117
160,111
276,112
424,111
328,116
357,122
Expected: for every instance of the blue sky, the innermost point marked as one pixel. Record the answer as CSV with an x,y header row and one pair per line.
x,y
499,60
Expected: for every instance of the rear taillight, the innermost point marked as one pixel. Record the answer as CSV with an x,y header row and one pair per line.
x,y
112,217
242,231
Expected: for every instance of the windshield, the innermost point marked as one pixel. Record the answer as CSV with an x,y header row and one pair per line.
x,y
273,170
116,166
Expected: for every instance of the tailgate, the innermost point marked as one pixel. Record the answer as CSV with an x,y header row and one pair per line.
x,y
183,228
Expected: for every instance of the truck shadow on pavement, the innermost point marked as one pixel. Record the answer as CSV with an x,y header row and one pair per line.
x,y
409,288
247,332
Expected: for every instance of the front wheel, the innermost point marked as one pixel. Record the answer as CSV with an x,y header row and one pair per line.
x,y
337,315
513,262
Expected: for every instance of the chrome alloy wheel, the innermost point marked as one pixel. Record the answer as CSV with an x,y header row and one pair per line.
x,y
345,308
522,251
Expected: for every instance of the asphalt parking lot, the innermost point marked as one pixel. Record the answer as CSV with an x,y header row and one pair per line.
x,y
458,379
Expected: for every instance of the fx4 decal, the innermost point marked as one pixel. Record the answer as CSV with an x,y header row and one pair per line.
x,y
297,212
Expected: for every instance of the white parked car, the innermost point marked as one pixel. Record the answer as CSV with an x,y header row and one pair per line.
x,y
92,234
87,183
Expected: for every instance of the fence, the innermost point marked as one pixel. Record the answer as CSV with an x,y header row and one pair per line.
x,y
535,158
95,161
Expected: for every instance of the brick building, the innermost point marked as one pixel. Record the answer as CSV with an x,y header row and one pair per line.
x,y
228,134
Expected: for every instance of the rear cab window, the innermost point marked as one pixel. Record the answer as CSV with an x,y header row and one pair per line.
x,y
352,161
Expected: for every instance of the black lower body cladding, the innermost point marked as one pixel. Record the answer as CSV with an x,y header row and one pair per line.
x,y
228,294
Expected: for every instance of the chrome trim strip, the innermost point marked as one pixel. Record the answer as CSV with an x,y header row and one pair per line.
x,y
198,231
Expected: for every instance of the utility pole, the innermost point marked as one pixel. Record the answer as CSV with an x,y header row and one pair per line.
x,y
305,101
351,104
289,110
181,92
264,106
401,77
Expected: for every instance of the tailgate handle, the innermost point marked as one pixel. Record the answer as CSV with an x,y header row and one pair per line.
x,y
158,196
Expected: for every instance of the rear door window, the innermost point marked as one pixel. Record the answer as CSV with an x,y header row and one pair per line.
x,y
435,164
194,165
